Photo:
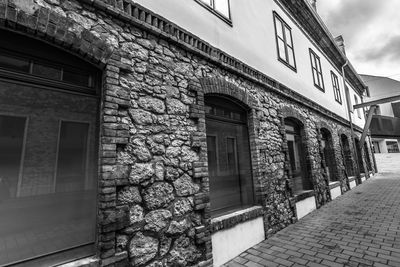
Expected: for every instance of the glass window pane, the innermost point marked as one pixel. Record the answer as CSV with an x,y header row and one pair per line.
x,y
231,155
313,61
212,155
208,2
278,27
222,6
14,63
76,78
11,141
46,71
288,36
291,56
281,50
72,156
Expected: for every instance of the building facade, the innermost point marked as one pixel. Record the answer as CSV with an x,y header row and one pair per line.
x,y
385,124
167,133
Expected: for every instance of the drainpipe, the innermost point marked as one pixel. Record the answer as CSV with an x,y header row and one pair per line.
x,y
349,108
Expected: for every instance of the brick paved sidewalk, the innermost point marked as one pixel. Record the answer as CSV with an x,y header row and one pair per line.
x,y
359,228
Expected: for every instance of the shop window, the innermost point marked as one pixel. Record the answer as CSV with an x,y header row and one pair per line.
x,y
284,42
228,151
48,159
317,70
300,179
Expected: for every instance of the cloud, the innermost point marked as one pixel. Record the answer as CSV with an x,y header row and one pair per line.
x,y
348,17
389,51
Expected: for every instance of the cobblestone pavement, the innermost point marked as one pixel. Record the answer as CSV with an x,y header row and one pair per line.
x,y
359,228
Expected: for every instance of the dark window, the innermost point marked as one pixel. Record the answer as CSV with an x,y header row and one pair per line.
x,y
228,151
284,42
48,156
221,8
392,147
375,147
44,66
15,63
317,71
336,88
297,161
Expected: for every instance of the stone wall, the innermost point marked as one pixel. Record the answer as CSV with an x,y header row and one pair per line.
x,y
153,185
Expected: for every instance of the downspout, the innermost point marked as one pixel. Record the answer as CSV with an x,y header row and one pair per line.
x,y
349,108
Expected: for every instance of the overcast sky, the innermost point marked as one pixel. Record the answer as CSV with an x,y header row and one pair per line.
x,y
370,29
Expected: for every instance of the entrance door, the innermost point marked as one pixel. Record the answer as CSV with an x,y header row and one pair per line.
x,y
228,157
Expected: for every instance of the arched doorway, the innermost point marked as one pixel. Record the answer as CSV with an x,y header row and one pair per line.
x,y
328,154
297,156
347,158
49,103
228,151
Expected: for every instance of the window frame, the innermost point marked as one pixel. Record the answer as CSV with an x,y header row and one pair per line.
x,y
285,26
212,9
336,88
317,59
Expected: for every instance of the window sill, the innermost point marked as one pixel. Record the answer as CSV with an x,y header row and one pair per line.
x,y
319,88
334,184
232,219
352,178
287,64
91,261
301,195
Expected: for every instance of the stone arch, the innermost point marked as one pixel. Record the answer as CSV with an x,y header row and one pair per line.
x,y
286,112
223,87
51,27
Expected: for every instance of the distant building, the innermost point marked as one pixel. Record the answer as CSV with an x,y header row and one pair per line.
x,y
385,124
168,132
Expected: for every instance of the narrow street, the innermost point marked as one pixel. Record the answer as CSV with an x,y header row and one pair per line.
x,y
359,228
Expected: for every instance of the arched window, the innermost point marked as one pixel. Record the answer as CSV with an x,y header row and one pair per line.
x,y
48,153
347,159
328,154
294,136
228,151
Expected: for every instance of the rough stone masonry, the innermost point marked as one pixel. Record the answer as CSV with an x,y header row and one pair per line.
x,y
153,187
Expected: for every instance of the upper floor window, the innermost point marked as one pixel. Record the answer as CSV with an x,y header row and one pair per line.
x,y
284,42
221,8
317,71
358,110
336,88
